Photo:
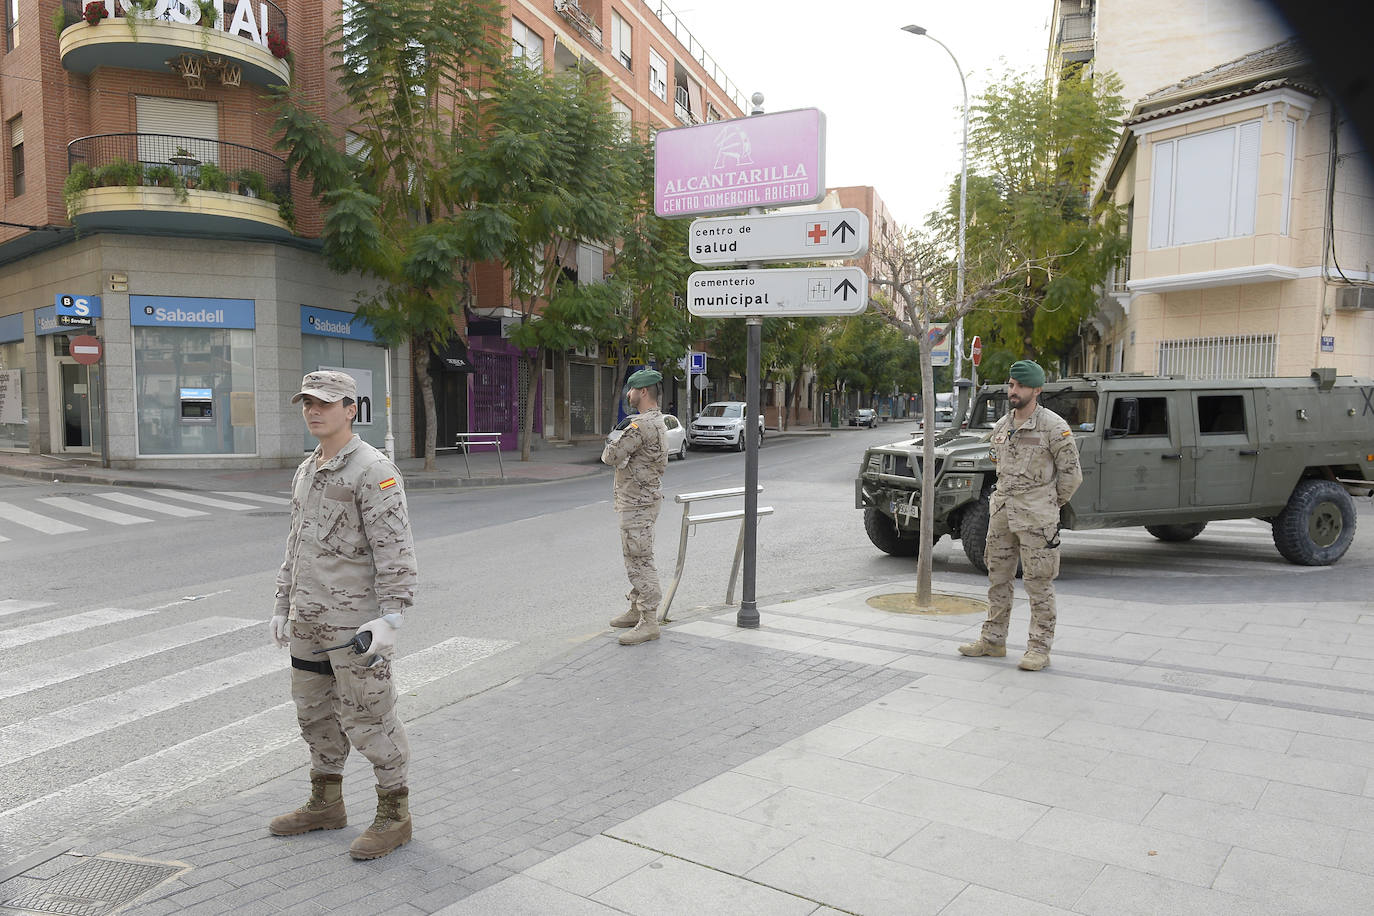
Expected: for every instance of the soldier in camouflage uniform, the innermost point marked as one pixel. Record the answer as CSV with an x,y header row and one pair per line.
x,y
349,569
640,457
1037,472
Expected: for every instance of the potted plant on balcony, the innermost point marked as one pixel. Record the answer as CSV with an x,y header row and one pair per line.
x,y
213,178
135,10
119,172
286,209
165,176
95,11
252,183
209,15
79,180
61,19
276,43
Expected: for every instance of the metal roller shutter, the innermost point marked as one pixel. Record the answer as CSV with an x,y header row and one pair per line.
x,y
165,124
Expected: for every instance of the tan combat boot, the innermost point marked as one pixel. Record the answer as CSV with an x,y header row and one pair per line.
x,y
645,630
324,810
983,647
627,619
390,828
1034,660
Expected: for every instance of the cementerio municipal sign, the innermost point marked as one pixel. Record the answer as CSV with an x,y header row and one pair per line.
x,y
771,160
790,291
821,235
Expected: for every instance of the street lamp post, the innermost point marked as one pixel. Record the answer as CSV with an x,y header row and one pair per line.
x,y
963,198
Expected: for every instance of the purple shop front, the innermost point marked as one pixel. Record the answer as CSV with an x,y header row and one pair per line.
x,y
497,393
772,160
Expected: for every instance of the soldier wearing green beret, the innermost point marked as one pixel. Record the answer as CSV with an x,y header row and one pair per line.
x,y
640,456
1037,473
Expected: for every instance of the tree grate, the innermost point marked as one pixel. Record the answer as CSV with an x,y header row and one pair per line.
x,y
90,887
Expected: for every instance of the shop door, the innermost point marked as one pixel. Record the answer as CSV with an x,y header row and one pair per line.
x,y
74,431
494,398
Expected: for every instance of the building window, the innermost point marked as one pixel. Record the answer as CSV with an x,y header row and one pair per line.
x,y
1291,141
526,45
658,75
1205,186
16,156
11,21
1239,356
620,39
621,111
14,416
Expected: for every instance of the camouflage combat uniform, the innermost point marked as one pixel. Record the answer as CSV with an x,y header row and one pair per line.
x,y
640,456
349,559
1037,472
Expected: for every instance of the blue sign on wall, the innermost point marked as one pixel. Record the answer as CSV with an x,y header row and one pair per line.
x,y
78,306
12,328
1328,345
45,321
334,323
190,312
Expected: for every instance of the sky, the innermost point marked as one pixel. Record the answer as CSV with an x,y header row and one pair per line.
x,y
891,100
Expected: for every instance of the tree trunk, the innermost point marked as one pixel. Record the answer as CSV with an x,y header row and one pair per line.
x,y
426,383
532,363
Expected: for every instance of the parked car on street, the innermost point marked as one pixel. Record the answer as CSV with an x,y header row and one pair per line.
x,y
864,416
677,435
720,423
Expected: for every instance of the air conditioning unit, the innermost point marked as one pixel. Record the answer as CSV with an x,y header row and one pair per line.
x,y
592,351
1355,297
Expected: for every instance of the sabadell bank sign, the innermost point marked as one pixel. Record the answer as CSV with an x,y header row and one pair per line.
x,y
772,160
248,21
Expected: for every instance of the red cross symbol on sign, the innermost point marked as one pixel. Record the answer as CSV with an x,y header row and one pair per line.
x,y
816,233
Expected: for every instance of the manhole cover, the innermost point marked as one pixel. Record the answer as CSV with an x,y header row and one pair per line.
x,y
91,887
905,603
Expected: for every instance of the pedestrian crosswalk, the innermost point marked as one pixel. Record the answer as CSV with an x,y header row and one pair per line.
x,y
212,691
73,513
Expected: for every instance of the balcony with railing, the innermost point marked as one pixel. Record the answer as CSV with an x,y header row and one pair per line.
x,y
164,183
580,20
243,41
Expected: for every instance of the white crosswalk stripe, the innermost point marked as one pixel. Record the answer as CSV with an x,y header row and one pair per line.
x,y
139,502
15,606
257,497
35,521
93,511
42,674
65,626
200,499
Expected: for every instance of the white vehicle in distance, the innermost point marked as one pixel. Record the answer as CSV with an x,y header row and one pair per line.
x,y
677,436
720,423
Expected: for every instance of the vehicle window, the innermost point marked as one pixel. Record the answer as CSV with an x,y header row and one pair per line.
x,y
1220,414
670,422
1154,416
1078,408
722,410
987,411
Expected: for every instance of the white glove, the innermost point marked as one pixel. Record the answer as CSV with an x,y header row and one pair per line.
x,y
383,630
281,631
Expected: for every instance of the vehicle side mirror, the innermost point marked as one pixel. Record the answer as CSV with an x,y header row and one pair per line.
x,y
1125,418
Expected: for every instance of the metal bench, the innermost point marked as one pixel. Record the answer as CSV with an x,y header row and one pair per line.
x,y
690,521
465,441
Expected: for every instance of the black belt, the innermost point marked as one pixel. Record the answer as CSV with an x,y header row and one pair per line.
x,y
319,667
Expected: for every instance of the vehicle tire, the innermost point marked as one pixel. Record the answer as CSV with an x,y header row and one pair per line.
x,y
1317,525
1176,533
682,451
883,533
973,532
739,444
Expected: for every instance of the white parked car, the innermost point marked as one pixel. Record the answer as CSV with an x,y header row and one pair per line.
x,y
720,423
677,435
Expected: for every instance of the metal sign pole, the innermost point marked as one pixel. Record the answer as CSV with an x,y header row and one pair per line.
x,y
748,615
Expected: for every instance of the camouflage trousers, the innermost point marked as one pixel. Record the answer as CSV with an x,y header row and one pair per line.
x,y
637,543
355,705
1039,567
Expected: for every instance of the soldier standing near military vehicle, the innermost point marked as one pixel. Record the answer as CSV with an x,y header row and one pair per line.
x,y
1037,472
640,456
349,574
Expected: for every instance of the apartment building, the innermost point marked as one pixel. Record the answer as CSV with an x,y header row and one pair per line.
x,y
139,178
659,75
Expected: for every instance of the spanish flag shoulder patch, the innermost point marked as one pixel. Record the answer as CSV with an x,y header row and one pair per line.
x,y
1067,432
387,484
634,426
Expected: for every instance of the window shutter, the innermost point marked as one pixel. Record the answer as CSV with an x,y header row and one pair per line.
x,y
17,131
182,123
1203,186
1161,194
1247,178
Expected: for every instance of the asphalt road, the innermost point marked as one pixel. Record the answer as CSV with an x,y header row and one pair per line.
x,y
137,662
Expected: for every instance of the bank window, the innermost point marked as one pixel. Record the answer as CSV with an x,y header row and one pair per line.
x,y
194,391
658,75
526,45
1221,414
366,362
620,39
14,416
16,133
1205,186
1153,416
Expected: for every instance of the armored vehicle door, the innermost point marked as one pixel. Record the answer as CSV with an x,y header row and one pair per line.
x,y
1141,455
1226,447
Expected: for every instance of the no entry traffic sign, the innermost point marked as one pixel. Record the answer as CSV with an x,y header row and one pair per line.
x,y
86,349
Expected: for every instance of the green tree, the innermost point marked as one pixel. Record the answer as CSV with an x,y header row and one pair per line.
x,y
405,70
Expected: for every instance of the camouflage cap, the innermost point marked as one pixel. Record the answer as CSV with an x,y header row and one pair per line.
x,y
644,378
327,385
1028,373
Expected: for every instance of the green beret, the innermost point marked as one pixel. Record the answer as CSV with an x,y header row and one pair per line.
x,y
644,378
1028,373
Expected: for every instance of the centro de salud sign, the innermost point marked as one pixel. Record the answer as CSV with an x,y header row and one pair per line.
x,y
770,160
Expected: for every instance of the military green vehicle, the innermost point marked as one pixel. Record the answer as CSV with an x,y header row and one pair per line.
x,y
1169,454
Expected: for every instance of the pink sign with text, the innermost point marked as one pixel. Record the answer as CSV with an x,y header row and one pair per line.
x,y
771,160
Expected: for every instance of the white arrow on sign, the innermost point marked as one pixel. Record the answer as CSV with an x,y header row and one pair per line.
x,y
818,235
792,291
